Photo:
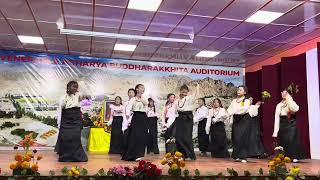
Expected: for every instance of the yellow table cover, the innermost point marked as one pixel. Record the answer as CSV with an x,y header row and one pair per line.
x,y
99,140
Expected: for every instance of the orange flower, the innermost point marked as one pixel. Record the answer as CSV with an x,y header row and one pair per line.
x,y
18,157
25,165
29,154
182,163
163,161
39,157
18,164
35,167
13,166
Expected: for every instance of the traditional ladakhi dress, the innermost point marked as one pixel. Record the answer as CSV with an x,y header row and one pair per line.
x,y
116,120
137,131
240,126
200,116
70,124
216,128
285,128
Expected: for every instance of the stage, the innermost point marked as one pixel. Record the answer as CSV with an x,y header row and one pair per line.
x,y
206,165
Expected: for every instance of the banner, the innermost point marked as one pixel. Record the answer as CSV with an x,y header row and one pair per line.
x,y
31,85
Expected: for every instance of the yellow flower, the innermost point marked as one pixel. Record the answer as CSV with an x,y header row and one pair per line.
x,y
174,166
278,160
18,157
163,161
73,169
70,173
168,155
281,156
287,160
289,178
29,154
178,154
25,164
27,158
271,163
13,166
182,163
34,167
295,170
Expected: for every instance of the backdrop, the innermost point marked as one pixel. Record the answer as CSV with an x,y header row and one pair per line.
x,y
31,85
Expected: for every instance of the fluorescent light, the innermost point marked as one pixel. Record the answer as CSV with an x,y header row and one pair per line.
x,y
125,47
264,17
144,5
31,39
124,36
207,54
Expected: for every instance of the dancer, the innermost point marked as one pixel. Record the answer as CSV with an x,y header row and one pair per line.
x,y
285,127
256,147
238,110
201,117
70,124
128,116
117,116
169,116
215,127
152,114
184,122
138,130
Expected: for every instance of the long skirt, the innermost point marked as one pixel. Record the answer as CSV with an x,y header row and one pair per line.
x,y
256,146
218,136
184,128
116,143
170,134
69,145
152,145
240,136
203,138
289,139
137,137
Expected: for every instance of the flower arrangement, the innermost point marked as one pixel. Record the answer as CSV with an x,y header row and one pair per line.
x,y
98,122
120,171
265,95
146,169
74,171
277,165
175,162
27,163
293,88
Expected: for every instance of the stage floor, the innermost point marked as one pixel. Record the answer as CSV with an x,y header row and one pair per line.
x,y
206,165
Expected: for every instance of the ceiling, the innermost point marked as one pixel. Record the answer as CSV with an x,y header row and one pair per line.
x,y
217,25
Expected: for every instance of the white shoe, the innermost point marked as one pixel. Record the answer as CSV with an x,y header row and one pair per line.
x,y
295,160
244,161
238,159
139,159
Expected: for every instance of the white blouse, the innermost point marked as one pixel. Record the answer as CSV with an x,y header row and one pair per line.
x,y
116,111
188,102
215,115
200,114
136,104
153,111
170,112
282,109
237,107
66,102
128,115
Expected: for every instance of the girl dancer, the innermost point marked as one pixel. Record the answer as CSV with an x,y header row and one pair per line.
x,y
201,117
152,126
256,147
128,115
238,109
116,119
170,114
184,122
215,127
138,130
70,125
285,127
